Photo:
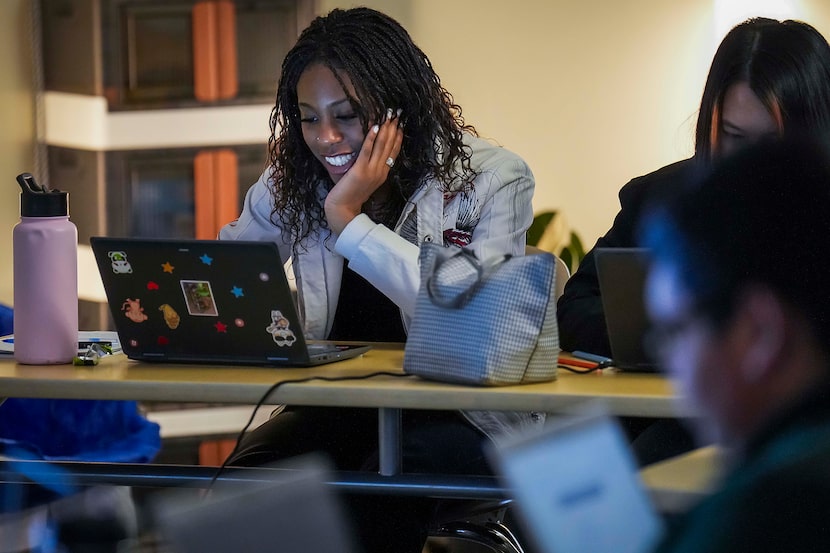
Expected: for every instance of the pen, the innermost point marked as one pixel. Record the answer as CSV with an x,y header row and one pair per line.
x,y
578,363
592,357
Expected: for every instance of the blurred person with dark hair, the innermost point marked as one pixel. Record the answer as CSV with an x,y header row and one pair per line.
x,y
737,294
768,78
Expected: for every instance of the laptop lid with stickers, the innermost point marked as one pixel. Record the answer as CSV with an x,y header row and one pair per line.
x,y
206,301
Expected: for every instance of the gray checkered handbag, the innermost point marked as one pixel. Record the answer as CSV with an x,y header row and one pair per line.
x,y
490,322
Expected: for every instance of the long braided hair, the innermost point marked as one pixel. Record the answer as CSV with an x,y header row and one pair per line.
x,y
387,70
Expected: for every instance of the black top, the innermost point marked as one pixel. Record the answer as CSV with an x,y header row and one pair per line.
x,y
364,314
579,310
776,498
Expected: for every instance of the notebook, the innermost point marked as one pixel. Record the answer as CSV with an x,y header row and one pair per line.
x,y
206,301
622,274
296,512
577,488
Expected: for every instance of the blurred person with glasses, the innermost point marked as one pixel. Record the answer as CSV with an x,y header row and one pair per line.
x,y
737,294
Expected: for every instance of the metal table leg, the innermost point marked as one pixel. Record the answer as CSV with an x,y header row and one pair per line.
x,y
389,441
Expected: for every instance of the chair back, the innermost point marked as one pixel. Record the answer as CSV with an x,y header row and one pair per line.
x,y
562,271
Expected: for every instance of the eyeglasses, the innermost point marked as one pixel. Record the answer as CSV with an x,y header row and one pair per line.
x,y
663,336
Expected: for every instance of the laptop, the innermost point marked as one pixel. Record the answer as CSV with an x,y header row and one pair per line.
x,y
206,301
295,512
577,488
622,273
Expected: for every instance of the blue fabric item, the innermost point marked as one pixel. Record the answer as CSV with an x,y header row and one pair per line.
x,y
79,430
74,429
70,430
6,326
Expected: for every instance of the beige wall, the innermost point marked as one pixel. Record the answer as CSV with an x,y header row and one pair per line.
x,y
590,93
16,126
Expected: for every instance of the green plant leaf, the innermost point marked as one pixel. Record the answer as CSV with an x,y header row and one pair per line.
x,y
567,258
537,228
576,244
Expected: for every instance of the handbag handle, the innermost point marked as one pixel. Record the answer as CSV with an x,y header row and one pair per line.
x,y
459,300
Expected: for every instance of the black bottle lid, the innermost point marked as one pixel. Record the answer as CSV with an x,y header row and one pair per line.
x,y
41,201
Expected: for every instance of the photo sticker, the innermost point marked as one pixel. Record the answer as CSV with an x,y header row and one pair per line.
x,y
198,296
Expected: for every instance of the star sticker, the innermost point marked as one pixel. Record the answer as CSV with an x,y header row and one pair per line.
x,y
221,327
206,259
237,291
168,268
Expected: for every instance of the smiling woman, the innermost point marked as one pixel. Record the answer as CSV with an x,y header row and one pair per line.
x,y
369,159
335,135
331,127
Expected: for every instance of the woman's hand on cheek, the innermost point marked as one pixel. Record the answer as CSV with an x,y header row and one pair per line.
x,y
345,201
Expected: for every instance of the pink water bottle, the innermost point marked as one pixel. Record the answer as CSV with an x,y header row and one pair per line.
x,y
45,277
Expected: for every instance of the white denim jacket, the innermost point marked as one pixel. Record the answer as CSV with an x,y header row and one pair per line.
x,y
491,220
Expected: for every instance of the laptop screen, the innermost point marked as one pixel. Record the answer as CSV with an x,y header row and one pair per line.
x,y
622,273
295,512
577,488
